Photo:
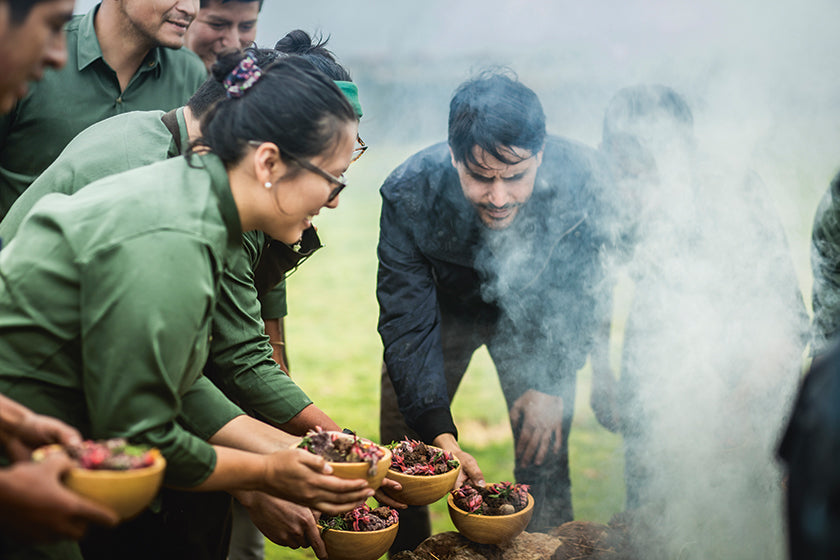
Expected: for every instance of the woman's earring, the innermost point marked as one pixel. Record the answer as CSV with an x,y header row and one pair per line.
x,y
268,184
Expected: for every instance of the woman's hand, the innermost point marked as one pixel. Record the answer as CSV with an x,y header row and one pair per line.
x,y
283,522
306,479
383,497
36,507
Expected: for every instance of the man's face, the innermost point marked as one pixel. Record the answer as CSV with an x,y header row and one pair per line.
x,y
222,27
495,189
27,48
161,22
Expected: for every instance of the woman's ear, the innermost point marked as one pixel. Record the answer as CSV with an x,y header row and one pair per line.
x,y
268,166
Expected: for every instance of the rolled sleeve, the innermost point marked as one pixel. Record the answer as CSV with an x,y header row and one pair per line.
x,y
205,409
240,355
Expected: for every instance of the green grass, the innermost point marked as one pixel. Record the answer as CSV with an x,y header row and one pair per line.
x,y
336,354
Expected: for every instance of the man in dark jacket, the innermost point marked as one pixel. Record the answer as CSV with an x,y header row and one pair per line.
x,y
490,240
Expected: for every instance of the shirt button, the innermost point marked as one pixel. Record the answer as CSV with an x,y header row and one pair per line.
x,y
119,99
151,64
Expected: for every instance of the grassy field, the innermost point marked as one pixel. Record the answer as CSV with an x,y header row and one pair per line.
x,y
336,353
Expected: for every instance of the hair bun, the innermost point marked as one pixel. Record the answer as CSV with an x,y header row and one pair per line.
x,y
226,63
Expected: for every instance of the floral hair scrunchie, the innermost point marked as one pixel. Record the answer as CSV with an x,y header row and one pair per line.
x,y
242,77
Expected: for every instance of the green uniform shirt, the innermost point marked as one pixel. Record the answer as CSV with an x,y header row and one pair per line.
x,y
85,91
106,301
240,359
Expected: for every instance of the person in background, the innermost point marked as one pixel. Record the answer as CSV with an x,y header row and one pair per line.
x,y
809,447
222,26
123,55
148,256
825,265
240,358
712,339
34,505
491,238
810,451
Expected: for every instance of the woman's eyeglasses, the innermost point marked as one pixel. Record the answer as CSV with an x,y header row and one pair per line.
x,y
359,150
340,182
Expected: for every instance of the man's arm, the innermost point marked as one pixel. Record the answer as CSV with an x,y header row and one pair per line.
x,y
409,324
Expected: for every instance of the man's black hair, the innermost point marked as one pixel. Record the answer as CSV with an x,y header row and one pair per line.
x,y
205,3
495,112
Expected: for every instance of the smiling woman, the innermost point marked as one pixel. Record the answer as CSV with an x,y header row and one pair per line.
x,y
149,255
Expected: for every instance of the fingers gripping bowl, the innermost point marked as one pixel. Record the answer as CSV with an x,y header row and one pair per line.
x,y
124,477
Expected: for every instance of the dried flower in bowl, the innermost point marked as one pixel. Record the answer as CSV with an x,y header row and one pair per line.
x,y
339,447
361,518
111,454
416,458
501,498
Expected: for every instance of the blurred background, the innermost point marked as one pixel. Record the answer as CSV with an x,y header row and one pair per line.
x,y
760,76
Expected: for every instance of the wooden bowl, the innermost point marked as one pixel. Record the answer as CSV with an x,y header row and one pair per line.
x,y
360,470
490,529
126,492
358,545
421,490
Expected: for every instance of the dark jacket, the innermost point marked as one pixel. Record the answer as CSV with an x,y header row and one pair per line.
x,y
535,281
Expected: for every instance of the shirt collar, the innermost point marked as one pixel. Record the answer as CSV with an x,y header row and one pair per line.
x,y
227,206
88,49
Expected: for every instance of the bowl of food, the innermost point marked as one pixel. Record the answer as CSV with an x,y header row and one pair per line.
x,y
112,472
349,455
359,534
426,473
493,514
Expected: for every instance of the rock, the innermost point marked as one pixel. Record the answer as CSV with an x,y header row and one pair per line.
x,y
453,546
586,540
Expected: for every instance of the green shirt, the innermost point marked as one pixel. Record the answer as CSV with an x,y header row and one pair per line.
x,y
106,301
85,91
240,358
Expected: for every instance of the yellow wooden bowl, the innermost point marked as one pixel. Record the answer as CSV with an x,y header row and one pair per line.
x,y
358,545
126,492
360,470
421,490
490,529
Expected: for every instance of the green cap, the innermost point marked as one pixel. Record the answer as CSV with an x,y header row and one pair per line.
x,y
351,92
